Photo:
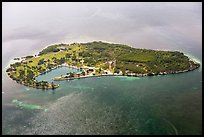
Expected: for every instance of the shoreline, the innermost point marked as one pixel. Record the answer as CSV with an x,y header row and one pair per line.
x,y
63,65
113,74
128,75
101,75
81,77
195,60
191,63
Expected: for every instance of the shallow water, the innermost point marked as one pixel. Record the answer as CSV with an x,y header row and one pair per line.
x,y
170,104
56,73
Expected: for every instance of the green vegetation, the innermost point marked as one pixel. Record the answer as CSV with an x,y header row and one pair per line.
x,y
52,48
115,58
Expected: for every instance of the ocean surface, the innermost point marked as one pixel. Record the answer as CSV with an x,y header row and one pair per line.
x,y
169,104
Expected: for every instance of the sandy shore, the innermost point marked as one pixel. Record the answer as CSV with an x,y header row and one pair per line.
x,y
88,76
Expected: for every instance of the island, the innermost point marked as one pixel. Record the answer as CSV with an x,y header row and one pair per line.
x,y
95,59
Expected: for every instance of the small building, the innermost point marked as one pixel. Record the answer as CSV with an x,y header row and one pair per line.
x,y
105,72
63,48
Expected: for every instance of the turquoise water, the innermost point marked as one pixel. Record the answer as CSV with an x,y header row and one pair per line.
x,y
170,104
56,73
